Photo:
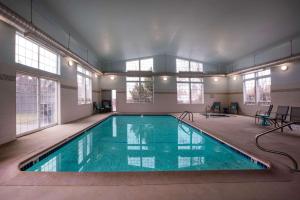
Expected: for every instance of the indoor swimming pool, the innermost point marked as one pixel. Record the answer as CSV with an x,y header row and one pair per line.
x,y
124,143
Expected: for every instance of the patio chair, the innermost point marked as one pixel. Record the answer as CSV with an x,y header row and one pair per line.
x,y
106,105
280,116
96,108
216,107
294,116
259,114
234,108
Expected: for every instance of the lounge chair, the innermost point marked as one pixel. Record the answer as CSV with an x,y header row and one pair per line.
x,y
280,116
259,114
234,108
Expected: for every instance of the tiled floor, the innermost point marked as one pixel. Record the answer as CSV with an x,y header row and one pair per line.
x,y
278,183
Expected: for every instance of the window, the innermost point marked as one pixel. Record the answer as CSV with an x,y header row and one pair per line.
x,y
188,66
132,65
140,65
36,103
190,91
84,83
139,89
257,87
33,55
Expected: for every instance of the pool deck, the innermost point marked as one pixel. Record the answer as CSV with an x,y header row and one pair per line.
x,y
277,183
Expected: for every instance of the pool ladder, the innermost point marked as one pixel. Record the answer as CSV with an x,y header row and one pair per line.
x,y
295,164
184,114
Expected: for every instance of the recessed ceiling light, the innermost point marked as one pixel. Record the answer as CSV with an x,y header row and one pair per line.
x,y
283,67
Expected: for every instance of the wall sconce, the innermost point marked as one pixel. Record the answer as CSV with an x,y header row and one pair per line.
x,y
70,63
112,77
234,78
96,76
216,79
165,78
283,67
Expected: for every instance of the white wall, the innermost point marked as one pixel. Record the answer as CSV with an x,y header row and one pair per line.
x,y
53,25
70,110
285,89
165,95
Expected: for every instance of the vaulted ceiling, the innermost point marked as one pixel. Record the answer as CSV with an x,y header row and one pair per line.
x,y
214,31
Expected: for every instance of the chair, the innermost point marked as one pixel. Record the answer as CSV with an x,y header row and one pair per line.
x,y
234,108
96,108
280,116
106,105
294,116
259,114
216,107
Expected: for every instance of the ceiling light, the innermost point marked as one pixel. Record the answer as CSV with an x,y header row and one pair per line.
x,y
112,77
165,78
283,67
216,79
70,63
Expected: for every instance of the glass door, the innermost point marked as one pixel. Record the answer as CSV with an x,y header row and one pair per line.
x,y
26,103
36,103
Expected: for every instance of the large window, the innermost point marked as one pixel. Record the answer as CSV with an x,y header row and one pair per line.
x,y
188,66
139,89
140,65
257,87
84,83
36,103
33,55
190,91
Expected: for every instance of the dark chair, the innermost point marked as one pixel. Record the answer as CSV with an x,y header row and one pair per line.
x,y
294,116
259,113
280,116
96,108
216,107
106,105
234,108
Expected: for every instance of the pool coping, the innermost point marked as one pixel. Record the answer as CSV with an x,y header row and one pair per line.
x,y
45,152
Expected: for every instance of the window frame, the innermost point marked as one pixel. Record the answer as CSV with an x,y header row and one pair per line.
x,y
189,81
139,81
39,127
256,77
190,62
139,68
38,59
84,74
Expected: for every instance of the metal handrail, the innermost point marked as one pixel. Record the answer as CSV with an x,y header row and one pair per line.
x,y
184,114
274,151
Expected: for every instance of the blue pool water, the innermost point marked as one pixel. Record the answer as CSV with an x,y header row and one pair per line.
x,y
143,143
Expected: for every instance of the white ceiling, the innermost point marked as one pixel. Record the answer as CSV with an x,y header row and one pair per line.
x,y
214,31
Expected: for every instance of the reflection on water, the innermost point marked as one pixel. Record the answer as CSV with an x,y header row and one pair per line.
x,y
141,144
